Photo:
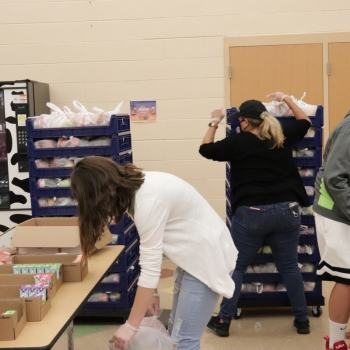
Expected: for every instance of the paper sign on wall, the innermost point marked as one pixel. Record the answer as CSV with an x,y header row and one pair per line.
x,y
143,111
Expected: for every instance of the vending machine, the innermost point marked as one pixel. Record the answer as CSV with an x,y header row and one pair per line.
x,y
19,99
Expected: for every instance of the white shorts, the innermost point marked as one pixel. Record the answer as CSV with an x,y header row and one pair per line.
x,y
334,245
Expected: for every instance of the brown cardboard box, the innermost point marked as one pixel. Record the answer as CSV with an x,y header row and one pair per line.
x,y
72,272
8,269
12,279
51,236
9,331
35,309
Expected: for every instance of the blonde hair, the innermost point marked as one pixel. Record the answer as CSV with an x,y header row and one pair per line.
x,y
269,129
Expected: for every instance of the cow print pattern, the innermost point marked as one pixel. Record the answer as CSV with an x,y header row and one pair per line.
x,y
19,218
23,184
17,198
10,219
19,192
11,120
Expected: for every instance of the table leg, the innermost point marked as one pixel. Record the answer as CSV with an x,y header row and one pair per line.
x,y
70,336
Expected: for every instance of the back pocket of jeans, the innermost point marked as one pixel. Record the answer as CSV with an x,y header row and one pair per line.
x,y
254,218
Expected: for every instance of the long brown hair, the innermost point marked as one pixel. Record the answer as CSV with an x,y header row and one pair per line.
x,y
104,191
269,128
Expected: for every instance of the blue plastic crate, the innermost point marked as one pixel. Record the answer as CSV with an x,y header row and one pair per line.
x,y
302,258
316,293
228,223
311,199
118,123
127,258
228,172
119,143
308,239
228,190
125,301
310,180
47,172
228,208
311,141
314,258
122,225
308,220
126,279
314,161
316,120
121,158
127,237
36,191
69,210
274,277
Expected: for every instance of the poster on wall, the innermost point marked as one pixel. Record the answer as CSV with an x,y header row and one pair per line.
x,y
143,111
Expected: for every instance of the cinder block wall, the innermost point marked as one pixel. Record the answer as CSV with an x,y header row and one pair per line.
x,y
101,52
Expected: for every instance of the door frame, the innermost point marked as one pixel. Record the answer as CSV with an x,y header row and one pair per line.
x,y
262,40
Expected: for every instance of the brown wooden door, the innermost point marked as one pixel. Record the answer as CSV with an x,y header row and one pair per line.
x,y
260,70
338,82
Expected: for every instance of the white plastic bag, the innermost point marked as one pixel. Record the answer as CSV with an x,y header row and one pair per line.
x,y
281,109
103,117
83,117
56,119
151,335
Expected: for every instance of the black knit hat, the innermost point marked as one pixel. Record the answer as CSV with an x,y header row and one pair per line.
x,y
249,109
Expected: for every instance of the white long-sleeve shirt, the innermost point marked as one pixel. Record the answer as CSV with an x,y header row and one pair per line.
x,y
173,218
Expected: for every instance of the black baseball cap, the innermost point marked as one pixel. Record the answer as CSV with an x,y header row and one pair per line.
x,y
249,109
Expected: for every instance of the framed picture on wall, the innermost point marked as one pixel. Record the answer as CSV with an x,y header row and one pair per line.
x,y
143,111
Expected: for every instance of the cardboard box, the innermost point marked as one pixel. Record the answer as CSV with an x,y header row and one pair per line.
x,y
37,259
10,328
72,272
51,236
35,309
7,278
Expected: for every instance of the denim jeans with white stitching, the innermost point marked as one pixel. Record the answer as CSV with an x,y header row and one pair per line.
x,y
277,225
193,305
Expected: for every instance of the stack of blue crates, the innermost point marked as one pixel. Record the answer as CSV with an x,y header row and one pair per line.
x,y
308,168
124,232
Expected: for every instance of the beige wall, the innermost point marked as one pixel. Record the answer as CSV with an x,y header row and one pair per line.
x,y
101,52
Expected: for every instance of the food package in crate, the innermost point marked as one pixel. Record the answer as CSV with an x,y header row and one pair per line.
x,y
103,117
57,162
67,118
53,182
150,335
56,201
281,109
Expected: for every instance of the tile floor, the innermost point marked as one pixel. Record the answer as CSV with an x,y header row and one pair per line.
x,y
257,329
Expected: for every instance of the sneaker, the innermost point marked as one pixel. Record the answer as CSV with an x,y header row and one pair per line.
x,y
303,327
220,328
339,345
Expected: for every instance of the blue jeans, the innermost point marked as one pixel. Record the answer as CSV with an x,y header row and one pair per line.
x,y
277,225
193,305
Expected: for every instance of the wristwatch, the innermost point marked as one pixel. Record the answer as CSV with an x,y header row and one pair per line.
x,y
213,125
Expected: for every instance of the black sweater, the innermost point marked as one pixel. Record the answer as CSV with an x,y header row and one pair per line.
x,y
261,175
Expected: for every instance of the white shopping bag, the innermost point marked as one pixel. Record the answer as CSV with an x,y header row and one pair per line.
x,y
151,335
281,109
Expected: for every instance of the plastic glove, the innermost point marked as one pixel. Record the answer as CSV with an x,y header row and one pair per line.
x,y
218,114
154,306
277,96
122,337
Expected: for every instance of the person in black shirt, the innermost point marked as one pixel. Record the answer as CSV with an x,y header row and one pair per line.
x,y
267,193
